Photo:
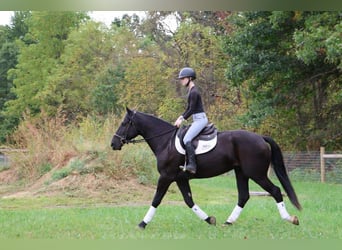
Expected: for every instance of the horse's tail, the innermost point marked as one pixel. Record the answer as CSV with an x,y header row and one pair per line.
x,y
280,171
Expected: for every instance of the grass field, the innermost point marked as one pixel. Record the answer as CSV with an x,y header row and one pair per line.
x,y
75,218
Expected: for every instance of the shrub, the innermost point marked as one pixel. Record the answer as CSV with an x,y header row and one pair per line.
x,y
83,148
47,145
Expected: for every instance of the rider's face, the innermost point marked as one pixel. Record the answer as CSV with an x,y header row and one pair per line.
x,y
184,81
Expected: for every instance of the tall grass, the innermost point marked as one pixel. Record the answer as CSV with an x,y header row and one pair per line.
x,y
47,144
61,149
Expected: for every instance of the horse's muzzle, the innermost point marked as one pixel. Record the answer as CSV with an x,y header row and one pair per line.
x,y
116,144
115,147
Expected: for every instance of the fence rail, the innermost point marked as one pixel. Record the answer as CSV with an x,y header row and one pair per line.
x,y
12,150
324,156
5,156
314,166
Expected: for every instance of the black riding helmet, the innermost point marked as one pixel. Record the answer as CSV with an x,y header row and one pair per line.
x,y
187,72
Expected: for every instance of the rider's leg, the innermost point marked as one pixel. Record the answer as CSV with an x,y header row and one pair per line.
x,y
190,152
199,122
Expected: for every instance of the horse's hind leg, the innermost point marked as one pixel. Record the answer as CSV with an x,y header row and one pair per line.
x,y
184,187
243,192
275,192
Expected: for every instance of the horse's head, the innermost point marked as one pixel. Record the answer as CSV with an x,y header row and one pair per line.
x,y
126,132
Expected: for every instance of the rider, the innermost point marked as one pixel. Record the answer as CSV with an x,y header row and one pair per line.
x,y
194,109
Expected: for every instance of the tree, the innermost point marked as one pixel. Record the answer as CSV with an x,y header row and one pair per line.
x,y
69,87
105,95
145,83
93,64
38,59
9,51
8,54
279,83
318,45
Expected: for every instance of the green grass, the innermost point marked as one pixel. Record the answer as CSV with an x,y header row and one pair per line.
x,y
76,218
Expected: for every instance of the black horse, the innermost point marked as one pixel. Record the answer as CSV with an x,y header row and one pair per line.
x,y
249,154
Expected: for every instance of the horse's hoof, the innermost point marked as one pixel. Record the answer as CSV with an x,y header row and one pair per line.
x,y
294,220
227,224
142,225
211,220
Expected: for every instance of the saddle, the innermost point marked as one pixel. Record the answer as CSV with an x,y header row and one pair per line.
x,y
204,142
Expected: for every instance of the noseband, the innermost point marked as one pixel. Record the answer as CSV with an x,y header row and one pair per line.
x,y
123,140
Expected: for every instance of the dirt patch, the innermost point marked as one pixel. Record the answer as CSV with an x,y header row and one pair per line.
x,y
98,187
8,176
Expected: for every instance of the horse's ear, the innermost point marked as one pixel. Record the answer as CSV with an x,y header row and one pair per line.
x,y
129,111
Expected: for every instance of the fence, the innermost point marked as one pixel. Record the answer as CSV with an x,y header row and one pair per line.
x,y
324,156
314,166
5,158
4,162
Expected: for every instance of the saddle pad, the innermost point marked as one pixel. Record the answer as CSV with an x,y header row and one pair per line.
x,y
203,146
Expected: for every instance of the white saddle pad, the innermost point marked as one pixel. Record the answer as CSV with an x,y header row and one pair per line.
x,y
203,146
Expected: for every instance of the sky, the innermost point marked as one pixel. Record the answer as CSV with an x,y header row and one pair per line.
x,y
101,16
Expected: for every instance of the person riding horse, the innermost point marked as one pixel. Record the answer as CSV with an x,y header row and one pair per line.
x,y
247,153
194,109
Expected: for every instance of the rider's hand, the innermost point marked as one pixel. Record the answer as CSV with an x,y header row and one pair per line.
x,y
179,121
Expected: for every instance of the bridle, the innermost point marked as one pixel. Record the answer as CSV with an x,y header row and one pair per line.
x,y
124,140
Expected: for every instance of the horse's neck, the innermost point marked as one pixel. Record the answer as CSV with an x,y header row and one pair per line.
x,y
156,132
150,122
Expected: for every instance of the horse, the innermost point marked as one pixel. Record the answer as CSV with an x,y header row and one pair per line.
x,y
245,152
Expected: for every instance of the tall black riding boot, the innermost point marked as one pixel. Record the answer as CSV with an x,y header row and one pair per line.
x,y
190,152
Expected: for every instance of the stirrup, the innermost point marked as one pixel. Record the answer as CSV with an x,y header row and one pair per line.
x,y
183,168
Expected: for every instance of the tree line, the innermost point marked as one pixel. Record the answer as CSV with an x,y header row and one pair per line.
x,y
272,72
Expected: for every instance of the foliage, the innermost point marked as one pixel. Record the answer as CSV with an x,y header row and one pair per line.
x,y
143,86
62,150
8,55
104,98
199,48
276,73
83,65
143,164
289,66
320,38
9,51
47,31
47,144
170,108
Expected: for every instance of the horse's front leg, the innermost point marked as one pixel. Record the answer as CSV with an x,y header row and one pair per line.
x,y
163,185
184,187
243,196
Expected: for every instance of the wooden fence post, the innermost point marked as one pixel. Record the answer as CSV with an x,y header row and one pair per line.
x,y
322,152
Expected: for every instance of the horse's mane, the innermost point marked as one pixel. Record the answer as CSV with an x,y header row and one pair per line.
x,y
157,119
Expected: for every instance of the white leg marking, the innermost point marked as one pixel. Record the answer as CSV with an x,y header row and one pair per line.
x,y
283,212
149,215
199,212
235,214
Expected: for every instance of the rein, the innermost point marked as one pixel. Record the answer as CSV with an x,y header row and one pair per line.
x,y
133,141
